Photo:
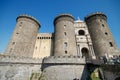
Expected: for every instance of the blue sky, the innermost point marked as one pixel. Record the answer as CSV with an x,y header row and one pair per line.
x,y
46,10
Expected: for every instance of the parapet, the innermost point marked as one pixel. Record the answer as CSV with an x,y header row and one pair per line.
x,y
29,17
64,60
63,15
45,36
19,60
95,14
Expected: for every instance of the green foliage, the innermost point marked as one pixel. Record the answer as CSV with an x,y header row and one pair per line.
x,y
42,77
95,75
31,76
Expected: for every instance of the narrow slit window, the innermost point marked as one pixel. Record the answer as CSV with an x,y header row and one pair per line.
x,y
65,33
111,45
103,25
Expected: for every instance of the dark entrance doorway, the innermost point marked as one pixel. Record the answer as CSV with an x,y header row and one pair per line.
x,y
85,52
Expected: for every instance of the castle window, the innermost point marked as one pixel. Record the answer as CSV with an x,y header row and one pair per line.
x,y
65,52
111,45
17,33
103,25
37,37
100,20
65,33
106,33
40,37
13,43
81,32
49,37
64,26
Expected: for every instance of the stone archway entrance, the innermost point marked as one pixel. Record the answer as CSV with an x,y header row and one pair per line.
x,y
85,52
81,32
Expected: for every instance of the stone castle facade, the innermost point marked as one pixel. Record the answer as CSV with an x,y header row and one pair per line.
x,y
76,50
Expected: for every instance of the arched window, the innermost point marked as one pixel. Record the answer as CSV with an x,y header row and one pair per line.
x,y
81,32
85,52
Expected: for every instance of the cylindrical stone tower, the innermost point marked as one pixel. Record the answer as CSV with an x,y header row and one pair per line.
x,y
24,36
65,43
103,42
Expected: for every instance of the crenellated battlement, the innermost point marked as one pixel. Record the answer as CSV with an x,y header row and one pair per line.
x,y
29,17
65,16
18,59
95,14
64,59
45,36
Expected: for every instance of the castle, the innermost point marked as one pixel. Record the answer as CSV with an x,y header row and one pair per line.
x,y
77,50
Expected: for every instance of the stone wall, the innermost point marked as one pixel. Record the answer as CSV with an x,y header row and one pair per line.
x,y
64,68
19,68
